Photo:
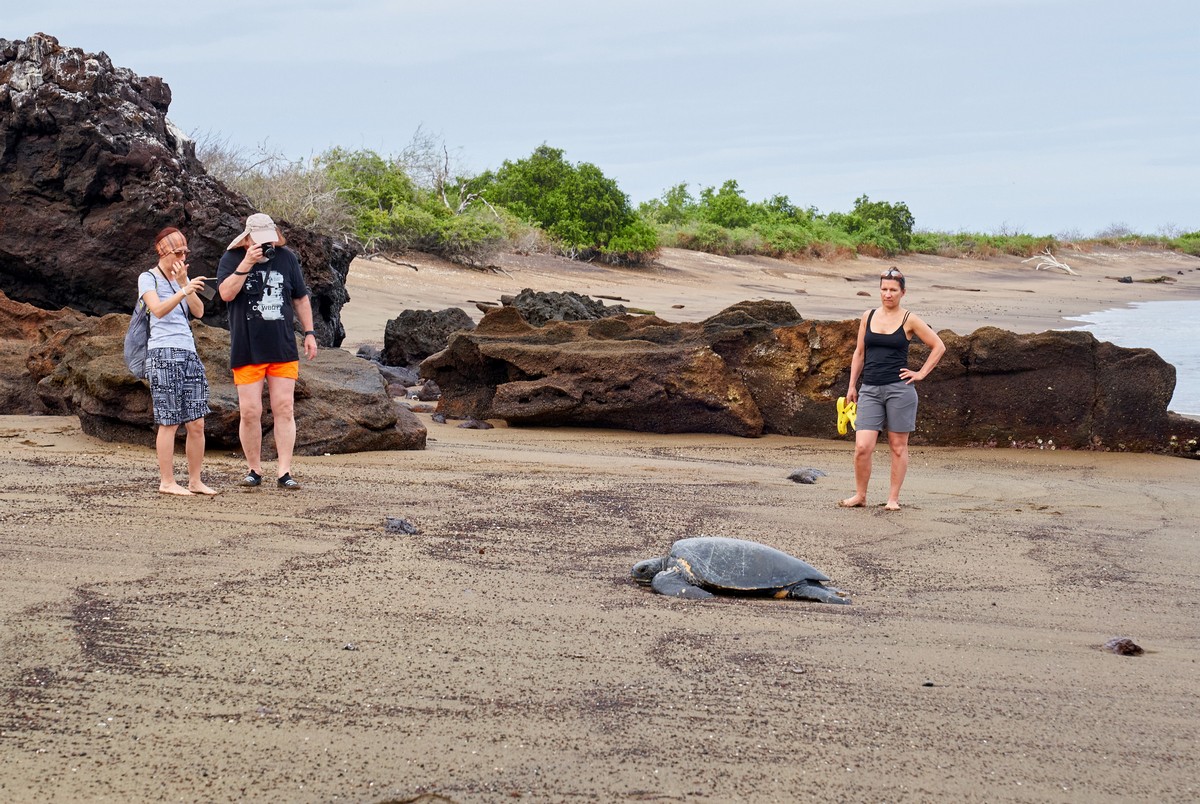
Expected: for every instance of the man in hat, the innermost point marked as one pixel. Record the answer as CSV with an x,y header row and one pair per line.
x,y
260,279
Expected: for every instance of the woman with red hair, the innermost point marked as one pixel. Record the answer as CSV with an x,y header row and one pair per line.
x,y
178,384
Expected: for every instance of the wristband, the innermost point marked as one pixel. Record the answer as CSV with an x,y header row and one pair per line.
x,y
308,332
241,273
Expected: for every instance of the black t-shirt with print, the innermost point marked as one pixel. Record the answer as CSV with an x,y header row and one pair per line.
x,y
260,316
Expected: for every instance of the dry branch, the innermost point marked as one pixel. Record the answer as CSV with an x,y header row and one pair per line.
x,y
1048,260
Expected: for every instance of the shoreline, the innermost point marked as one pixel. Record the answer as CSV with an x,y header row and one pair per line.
x,y
956,294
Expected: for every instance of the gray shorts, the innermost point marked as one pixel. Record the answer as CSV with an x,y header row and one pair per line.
x,y
891,407
178,385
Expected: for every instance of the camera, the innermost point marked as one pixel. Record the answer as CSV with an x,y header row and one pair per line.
x,y
268,250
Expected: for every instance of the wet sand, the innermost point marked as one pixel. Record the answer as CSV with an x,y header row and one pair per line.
x,y
267,645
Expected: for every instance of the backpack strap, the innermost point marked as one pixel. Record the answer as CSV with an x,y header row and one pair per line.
x,y
186,312
140,300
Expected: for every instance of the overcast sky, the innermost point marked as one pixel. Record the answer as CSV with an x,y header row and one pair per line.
x,y
1045,116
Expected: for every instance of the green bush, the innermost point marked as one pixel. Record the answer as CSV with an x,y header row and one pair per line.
x,y
393,214
877,238
726,207
635,244
708,237
576,205
675,206
892,222
1187,243
969,244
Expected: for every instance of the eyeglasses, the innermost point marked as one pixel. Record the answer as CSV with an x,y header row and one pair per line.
x,y
891,272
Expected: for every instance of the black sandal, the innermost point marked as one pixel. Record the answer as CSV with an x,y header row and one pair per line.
x,y
251,479
288,482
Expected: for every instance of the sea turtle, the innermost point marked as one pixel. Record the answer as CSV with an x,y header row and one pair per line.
x,y
735,566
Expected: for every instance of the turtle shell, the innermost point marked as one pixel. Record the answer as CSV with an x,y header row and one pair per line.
x,y
725,563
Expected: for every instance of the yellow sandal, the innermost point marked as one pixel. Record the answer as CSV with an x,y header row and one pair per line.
x,y
847,412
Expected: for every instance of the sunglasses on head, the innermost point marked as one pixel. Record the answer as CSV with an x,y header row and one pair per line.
x,y
891,273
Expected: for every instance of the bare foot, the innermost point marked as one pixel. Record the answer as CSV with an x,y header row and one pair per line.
x,y
173,488
891,505
200,488
853,502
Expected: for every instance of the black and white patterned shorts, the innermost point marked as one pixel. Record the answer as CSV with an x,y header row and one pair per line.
x,y
178,386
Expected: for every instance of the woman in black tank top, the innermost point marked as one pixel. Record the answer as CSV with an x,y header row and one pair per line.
x,y
887,399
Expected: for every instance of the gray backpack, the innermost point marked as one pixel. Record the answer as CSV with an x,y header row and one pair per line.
x,y
137,337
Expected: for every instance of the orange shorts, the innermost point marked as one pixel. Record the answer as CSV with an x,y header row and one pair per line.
x,y
245,375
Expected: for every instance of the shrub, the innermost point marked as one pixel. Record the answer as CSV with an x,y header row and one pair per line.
x,y
726,207
576,205
635,244
1187,243
392,213
708,237
893,222
968,244
675,206
292,192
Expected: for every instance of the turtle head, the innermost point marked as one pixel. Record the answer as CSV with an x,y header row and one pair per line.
x,y
644,571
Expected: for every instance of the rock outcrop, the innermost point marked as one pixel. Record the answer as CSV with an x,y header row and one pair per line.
x,y
93,169
541,307
341,402
997,387
21,326
757,368
414,335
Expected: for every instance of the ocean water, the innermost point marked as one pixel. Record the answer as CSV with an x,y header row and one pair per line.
x,y
1169,328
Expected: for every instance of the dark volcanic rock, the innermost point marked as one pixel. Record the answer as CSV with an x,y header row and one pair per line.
x,y
93,169
414,335
22,325
1123,646
399,375
758,368
633,372
806,476
540,307
341,404
994,386
368,352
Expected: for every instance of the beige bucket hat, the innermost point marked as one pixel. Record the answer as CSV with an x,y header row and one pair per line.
x,y
261,229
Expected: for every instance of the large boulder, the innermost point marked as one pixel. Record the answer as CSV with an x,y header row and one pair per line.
x,y
20,326
632,372
414,335
93,169
539,307
994,386
757,367
341,403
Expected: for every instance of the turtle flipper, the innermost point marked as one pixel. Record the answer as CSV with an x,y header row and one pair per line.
x,y
671,582
815,590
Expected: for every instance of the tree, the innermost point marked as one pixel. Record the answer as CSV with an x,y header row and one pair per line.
x,y
895,219
726,207
577,205
676,206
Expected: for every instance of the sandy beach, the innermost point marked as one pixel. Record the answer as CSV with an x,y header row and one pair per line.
x,y
273,646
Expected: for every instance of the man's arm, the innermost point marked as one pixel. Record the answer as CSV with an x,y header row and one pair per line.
x,y
303,308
